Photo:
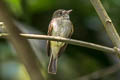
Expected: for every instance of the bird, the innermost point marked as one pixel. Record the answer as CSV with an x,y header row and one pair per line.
x,y
59,26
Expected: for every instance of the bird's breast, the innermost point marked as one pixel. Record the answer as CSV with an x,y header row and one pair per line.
x,y
61,28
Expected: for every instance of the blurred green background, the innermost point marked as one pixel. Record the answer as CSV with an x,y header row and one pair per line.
x,y
33,16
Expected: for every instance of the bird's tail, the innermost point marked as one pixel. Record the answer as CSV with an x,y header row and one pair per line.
x,y
52,67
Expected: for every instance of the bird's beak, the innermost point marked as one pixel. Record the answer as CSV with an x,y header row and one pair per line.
x,y
68,11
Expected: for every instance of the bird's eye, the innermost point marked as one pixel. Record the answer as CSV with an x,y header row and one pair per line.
x,y
60,13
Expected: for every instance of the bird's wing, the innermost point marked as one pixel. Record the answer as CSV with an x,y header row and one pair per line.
x,y
50,28
71,31
65,45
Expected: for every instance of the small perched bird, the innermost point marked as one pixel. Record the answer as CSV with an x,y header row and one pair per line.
x,y
61,26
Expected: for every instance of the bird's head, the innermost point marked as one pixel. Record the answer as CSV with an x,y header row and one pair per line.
x,y
61,13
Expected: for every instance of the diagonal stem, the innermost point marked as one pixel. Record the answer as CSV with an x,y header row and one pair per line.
x,y
108,25
21,45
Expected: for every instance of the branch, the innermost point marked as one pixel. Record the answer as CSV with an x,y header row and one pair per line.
x,y
70,41
61,39
22,46
101,73
109,27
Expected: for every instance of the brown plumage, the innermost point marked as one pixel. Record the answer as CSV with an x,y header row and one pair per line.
x,y
60,25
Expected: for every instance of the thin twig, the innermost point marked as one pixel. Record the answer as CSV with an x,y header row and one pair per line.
x,y
101,73
109,27
22,46
70,41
